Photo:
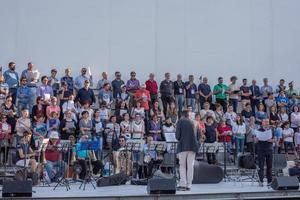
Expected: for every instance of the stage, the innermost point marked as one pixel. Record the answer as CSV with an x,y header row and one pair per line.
x,y
223,190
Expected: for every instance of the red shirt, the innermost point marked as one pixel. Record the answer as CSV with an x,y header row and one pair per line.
x,y
52,155
151,86
221,131
145,95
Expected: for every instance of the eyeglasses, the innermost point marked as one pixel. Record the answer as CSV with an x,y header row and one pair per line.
x,y
121,140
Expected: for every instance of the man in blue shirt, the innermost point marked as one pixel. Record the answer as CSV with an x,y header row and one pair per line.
x,y
32,77
282,100
191,90
23,96
12,79
86,94
80,80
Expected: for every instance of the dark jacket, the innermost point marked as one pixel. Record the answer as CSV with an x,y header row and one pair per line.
x,y
187,135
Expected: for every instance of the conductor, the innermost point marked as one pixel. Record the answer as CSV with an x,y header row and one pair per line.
x,y
187,136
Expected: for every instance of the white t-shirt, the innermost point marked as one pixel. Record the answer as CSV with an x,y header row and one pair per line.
x,y
288,134
297,138
295,119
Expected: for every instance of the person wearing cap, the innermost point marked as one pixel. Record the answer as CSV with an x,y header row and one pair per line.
x,y
103,81
53,82
4,89
143,96
116,84
81,79
152,87
68,79
55,166
45,90
220,91
12,79
86,94
105,94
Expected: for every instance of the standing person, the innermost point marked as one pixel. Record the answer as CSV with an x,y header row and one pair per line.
x,y
81,79
86,94
45,91
143,96
245,93
191,90
12,79
179,92
116,84
53,82
234,92
4,89
167,91
187,136
239,133
68,79
132,84
151,86
265,90
255,97
23,96
220,91
205,92
103,81
264,140
32,77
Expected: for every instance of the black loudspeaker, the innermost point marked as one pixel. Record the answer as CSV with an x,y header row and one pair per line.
x,y
285,183
116,179
17,189
205,173
157,185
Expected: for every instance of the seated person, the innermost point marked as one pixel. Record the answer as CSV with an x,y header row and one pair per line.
x,y
155,128
5,136
55,166
122,159
25,156
150,157
83,157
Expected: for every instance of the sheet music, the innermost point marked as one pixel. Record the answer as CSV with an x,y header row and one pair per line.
x,y
44,145
263,136
170,137
98,127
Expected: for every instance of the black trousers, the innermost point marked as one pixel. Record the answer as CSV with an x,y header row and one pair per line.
x,y
265,156
223,103
166,100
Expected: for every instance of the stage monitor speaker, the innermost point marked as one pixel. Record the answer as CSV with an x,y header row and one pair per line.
x,y
285,183
116,179
161,186
17,189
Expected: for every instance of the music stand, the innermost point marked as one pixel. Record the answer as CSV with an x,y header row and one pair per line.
x,y
42,148
89,146
135,146
65,145
172,147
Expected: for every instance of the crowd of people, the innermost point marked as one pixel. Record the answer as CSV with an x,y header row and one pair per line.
x,y
35,107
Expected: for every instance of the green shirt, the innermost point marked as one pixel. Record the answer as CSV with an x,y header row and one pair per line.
x,y
222,94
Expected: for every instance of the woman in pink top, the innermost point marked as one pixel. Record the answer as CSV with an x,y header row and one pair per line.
x,y
53,107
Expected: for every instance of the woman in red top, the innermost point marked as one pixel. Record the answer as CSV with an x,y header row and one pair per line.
x,y
225,134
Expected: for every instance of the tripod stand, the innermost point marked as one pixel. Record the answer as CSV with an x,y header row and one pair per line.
x,y
89,147
63,180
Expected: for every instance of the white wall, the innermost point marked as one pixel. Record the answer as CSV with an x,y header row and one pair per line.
x,y
248,38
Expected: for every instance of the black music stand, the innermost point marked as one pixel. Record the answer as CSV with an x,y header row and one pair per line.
x,y
89,146
171,139
63,180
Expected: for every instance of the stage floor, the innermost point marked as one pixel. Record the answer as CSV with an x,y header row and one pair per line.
x,y
223,190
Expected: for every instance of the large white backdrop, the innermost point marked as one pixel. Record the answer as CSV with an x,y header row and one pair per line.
x,y
247,38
